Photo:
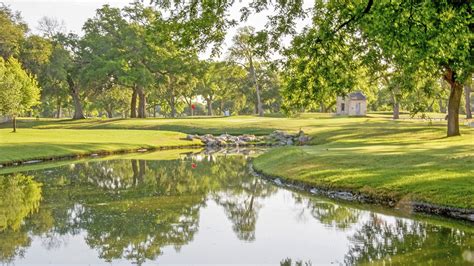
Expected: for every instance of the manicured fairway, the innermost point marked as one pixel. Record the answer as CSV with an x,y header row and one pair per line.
x,y
411,162
404,159
36,144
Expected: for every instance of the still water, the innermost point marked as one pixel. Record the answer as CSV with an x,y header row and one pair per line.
x,y
198,208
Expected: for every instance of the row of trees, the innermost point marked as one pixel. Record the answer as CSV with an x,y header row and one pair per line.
x,y
135,209
132,62
136,61
405,44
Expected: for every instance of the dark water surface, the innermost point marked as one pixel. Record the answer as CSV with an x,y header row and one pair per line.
x,y
172,208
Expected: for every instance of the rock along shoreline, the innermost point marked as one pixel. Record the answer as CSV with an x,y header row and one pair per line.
x,y
276,138
346,195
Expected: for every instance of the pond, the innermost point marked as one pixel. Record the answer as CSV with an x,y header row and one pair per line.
x,y
172,207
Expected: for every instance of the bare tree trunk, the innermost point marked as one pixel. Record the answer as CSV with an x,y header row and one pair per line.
x,y
141,170
135,172
133,104
257,88
173,107
430,107
209,106
396,105
141,103
442,108
58,109
322,107
14,123
110,113
467,98
74,90
453,104
78,112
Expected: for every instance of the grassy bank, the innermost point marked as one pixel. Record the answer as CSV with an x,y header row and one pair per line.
x,y
29,143
407,162
405,159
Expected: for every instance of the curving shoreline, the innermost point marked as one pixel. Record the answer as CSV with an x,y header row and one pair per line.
x,y
340,194
93,154
351,196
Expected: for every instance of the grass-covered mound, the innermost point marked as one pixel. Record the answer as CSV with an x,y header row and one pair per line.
x,y
402,160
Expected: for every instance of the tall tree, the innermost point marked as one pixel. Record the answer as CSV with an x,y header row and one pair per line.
x,y
250,47
435,36
51,27
12,33
19,91
423,32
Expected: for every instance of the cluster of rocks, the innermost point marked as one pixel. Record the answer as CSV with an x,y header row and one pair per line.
x,y
227,140
275,138
283,138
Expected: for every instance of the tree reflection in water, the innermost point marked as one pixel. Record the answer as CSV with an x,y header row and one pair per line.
x,y
329,213
239,195
20,196
132,209
381,240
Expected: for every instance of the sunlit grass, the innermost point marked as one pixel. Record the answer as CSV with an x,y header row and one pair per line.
x,y
30,143
405,159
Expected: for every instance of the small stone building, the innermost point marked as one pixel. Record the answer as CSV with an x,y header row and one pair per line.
x,y
354,104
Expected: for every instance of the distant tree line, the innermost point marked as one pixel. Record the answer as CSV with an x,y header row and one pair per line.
x,y
137,62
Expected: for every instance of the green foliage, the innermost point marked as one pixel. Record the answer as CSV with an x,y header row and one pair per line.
x,y
19,90
113,100
143,205
12,34
20,196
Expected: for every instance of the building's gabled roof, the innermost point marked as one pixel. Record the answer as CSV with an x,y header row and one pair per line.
x,y
357,96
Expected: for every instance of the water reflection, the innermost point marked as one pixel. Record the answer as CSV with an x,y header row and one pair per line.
x,y
19,197
137,209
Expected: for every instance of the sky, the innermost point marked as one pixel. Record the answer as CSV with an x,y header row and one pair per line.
x,y
75,12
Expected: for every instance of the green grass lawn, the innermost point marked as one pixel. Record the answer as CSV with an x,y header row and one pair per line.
x,y
409,161
404,159
30,143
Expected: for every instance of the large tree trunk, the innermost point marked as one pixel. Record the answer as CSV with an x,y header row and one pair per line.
x,y
209,106
467,98
395,105
173,107
257,88
141,103
58,109
74,90
78,112
322,107
110,113
133,104
453,104
142,170
135,172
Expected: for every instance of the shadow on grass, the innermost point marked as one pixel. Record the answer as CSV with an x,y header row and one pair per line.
x,y
43,151
441,176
